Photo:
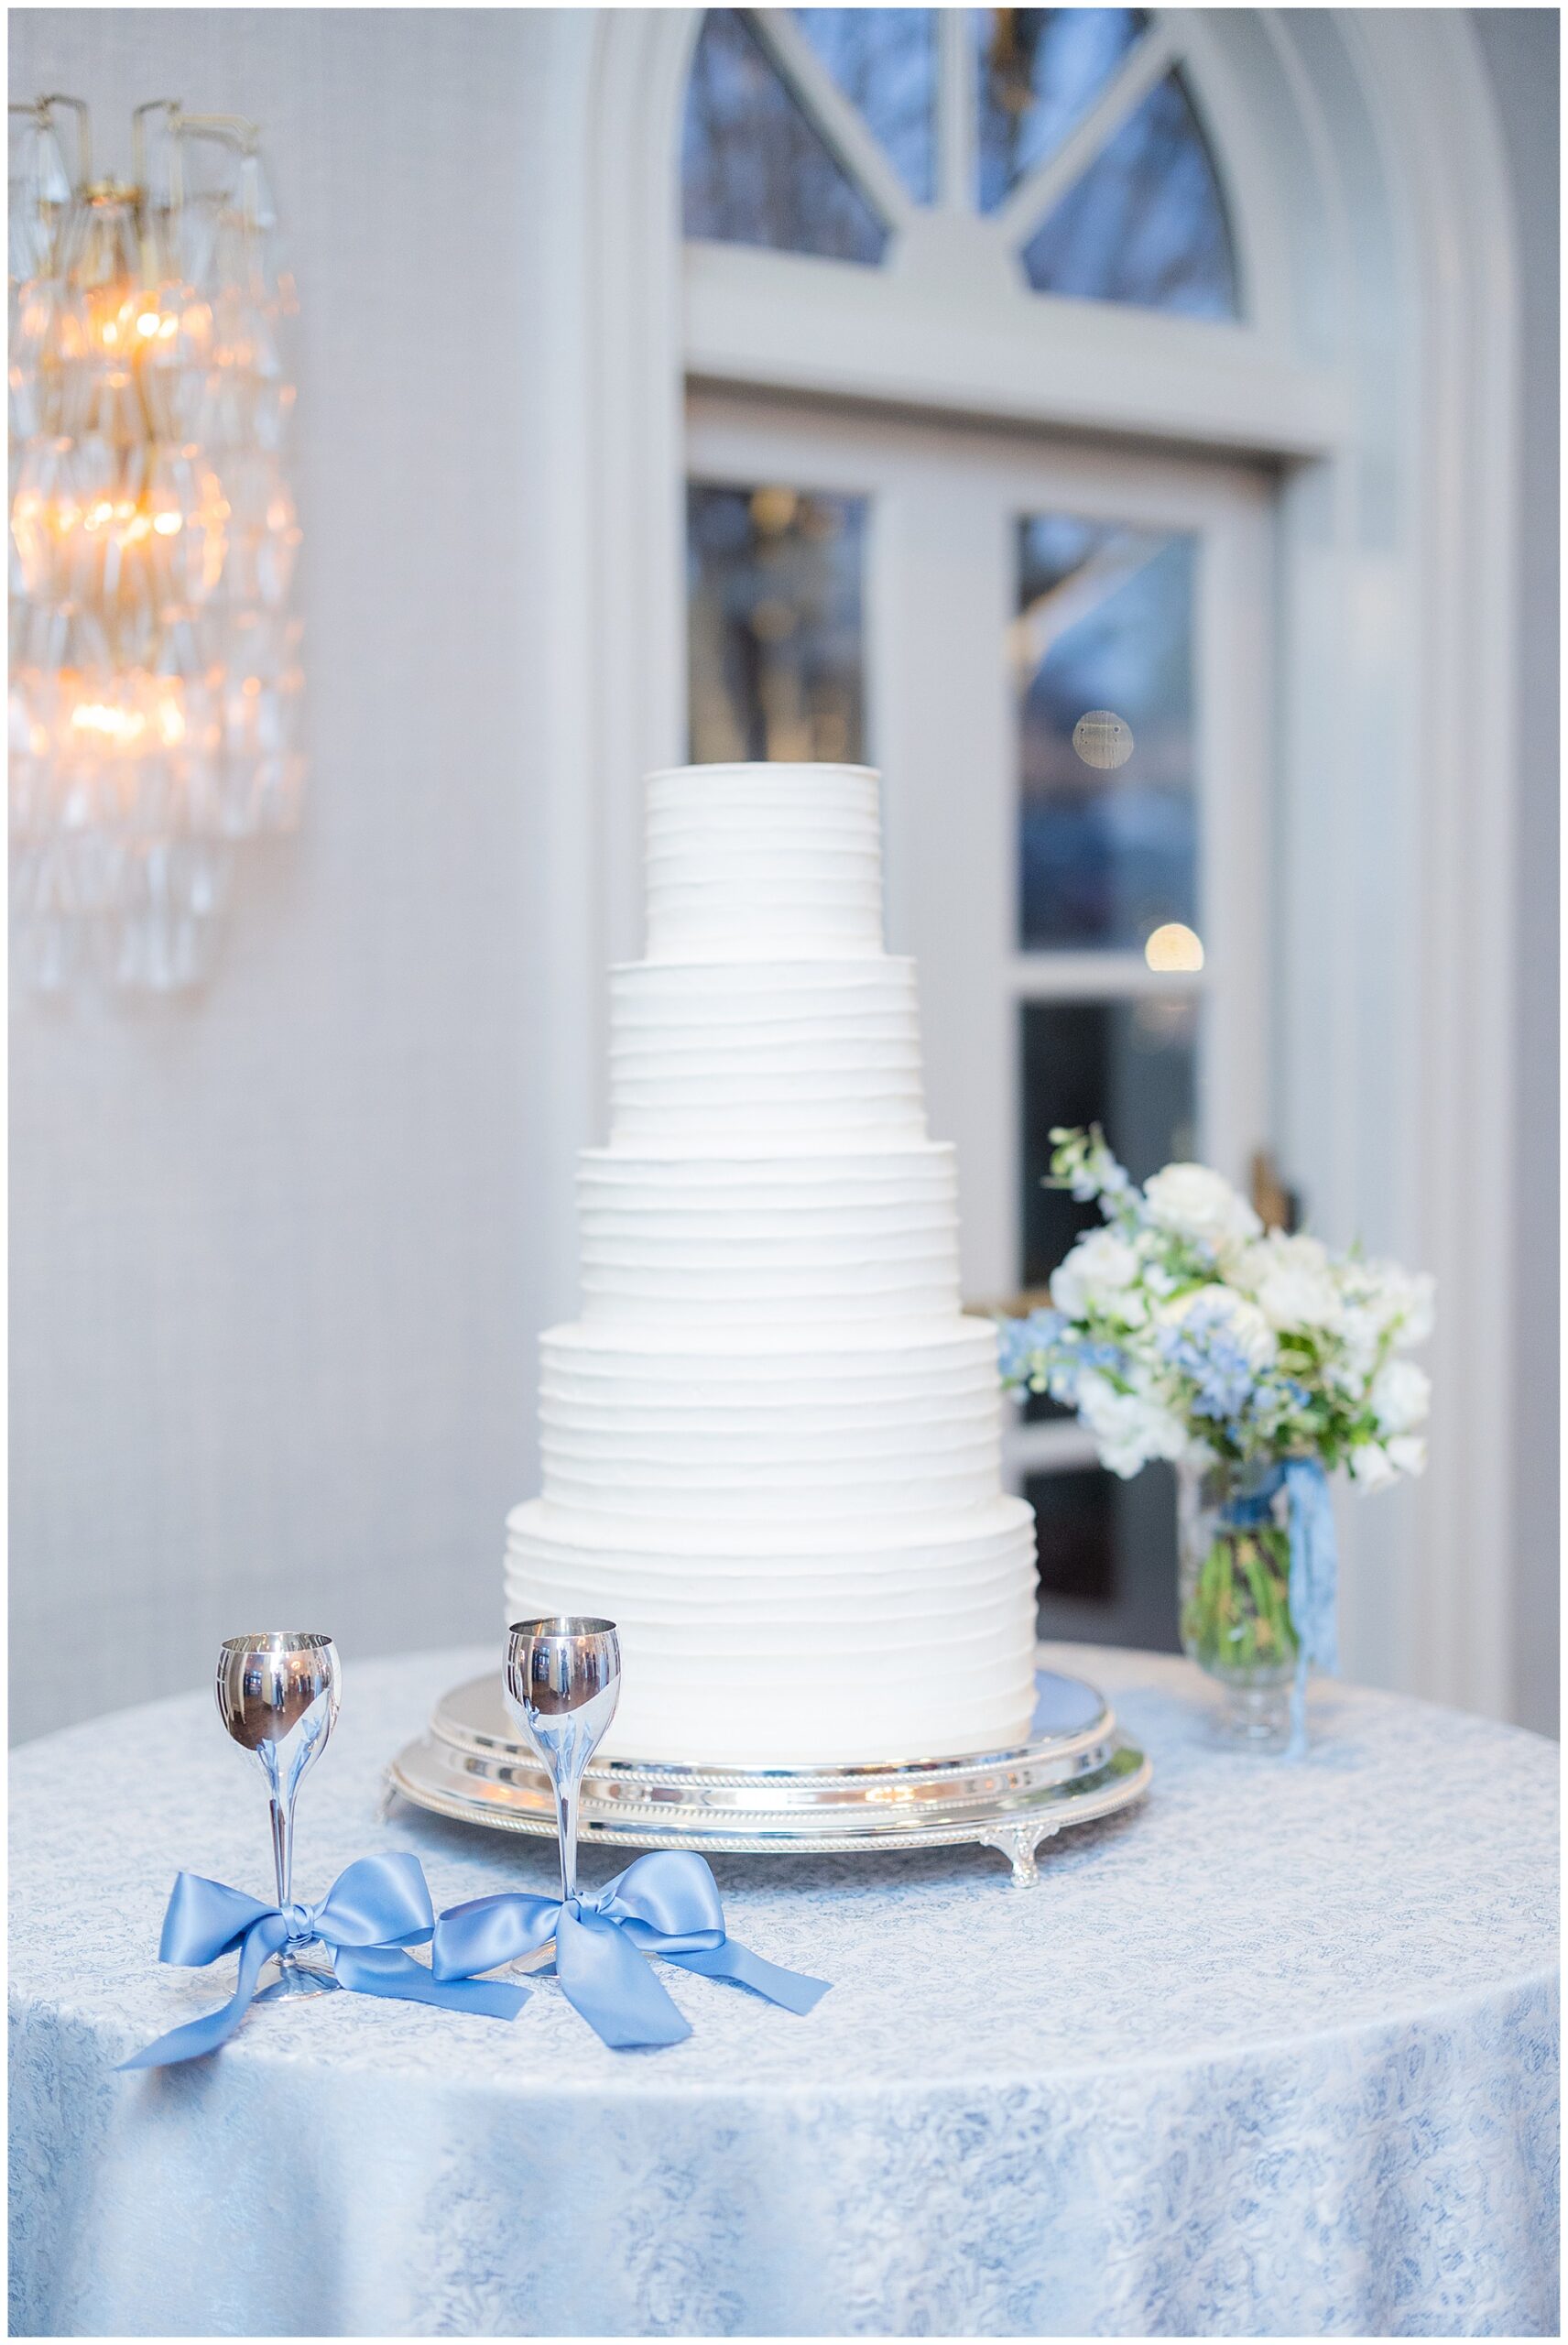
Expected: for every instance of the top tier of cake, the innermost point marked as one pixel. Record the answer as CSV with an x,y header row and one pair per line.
x,y
764,863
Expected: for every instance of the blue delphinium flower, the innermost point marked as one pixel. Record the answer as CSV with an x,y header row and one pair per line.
x,y
1201,1347
1020,1341
1046,1353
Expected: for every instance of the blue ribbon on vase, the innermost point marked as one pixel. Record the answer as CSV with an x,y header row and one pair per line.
x,y
665,1903
1314,1570
375,1909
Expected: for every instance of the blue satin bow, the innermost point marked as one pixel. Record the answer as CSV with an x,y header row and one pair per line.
x,y
665,1903
373,1910
1314,1573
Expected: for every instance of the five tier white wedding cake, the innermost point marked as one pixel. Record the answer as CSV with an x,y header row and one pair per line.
x,y
771,1443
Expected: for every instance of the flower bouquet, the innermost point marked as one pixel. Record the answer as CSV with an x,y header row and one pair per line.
x,y
1257,1363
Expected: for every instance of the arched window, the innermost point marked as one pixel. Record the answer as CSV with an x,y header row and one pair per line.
x,y
1064,139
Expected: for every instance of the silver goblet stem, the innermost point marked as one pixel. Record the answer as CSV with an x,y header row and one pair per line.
x,y
562,1680
277,1696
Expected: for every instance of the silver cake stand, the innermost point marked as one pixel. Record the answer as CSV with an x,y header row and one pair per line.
x,y
1074,1767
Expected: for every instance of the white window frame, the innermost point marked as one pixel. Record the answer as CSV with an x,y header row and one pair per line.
x,y
942,722
1365,184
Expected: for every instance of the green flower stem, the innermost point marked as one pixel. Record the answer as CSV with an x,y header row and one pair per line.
x,y
1237,1618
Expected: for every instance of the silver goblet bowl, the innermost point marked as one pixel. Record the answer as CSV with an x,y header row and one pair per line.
x,y
277,1693
562,1680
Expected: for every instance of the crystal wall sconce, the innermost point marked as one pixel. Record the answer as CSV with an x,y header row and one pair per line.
x,y
154,658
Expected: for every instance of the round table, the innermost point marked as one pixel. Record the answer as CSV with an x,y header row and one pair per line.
x,y
1274,2053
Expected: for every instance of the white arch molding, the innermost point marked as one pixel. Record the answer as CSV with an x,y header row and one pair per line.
x,y
1363,165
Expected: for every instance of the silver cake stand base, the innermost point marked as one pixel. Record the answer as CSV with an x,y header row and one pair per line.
x,y
1074,1767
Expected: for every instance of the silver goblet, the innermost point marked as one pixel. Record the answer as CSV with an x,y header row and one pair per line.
x,y
277,1697
562,1680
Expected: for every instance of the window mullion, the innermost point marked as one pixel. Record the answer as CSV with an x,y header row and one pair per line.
x,y
1096,975
842,126
955,111
1053,1446
1139,71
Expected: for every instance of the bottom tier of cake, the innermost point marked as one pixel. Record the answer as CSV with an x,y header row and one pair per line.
x,y
908,1638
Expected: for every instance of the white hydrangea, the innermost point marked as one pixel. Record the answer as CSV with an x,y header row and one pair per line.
x,y
1390,1300
1409,1303
1407,1452
1129,1428
1371,1467
1101,1275
1292,1281
1400,1396
1201,1205
1360,1334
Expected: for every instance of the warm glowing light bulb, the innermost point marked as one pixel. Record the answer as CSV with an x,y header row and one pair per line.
x,y
122,726
1175,946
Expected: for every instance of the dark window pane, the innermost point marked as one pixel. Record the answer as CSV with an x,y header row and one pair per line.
x,y
1107,841
884,59
1107,1556
755,170
1075,1534
1126,1065
774,620
1145,223
1039,69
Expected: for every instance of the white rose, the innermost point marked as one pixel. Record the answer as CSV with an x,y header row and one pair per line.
x,y
1234,1316
1129,1428
1371,1467
1099,1275
1407,1452
1401,1395
1292,1281
1201,1205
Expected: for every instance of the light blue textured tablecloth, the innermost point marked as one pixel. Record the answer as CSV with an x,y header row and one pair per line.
x,y
1275,2054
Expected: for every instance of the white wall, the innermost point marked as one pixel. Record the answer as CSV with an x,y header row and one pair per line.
x,y
275,1299
1520,47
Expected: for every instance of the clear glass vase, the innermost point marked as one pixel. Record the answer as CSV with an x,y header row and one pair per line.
x,y
1234,1551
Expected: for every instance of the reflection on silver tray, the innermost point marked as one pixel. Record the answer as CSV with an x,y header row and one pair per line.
x,y
1075,1767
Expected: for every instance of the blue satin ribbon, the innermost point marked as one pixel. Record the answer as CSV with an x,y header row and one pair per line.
x,y
1314,1572
665,1903
373,1910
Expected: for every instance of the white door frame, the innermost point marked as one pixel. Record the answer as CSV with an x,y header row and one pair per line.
x,y
1364,167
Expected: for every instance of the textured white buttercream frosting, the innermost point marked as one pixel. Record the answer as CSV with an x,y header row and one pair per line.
x,y
771,1446
825,1424
810,1049
904,1637
678,1236
761,862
